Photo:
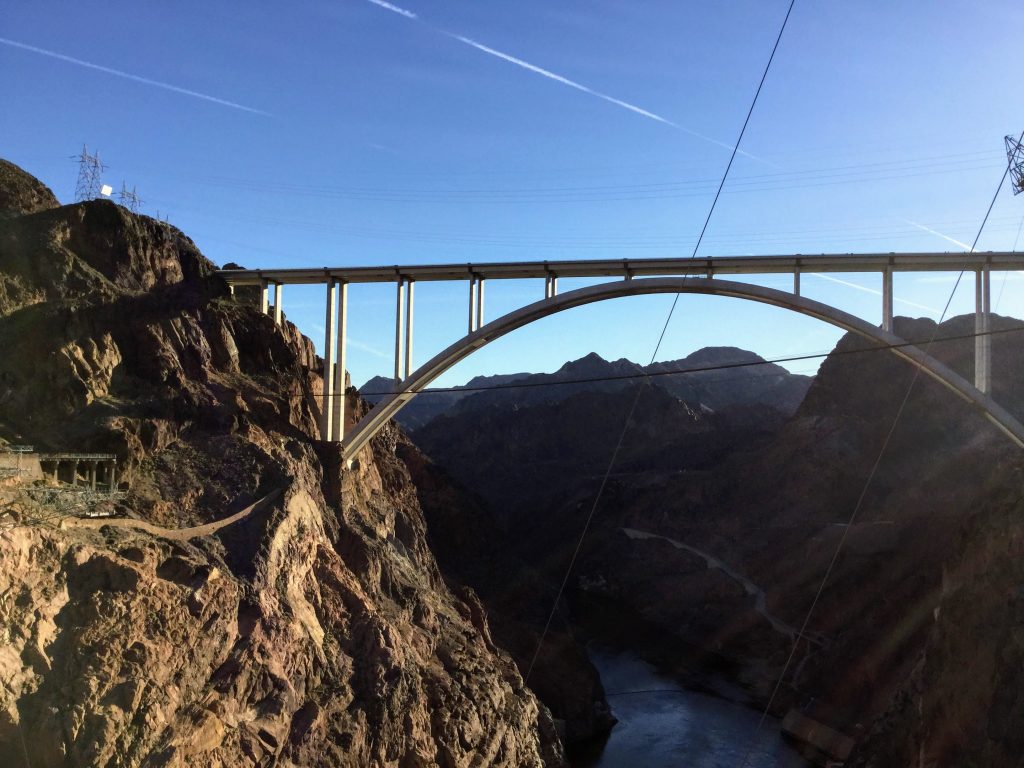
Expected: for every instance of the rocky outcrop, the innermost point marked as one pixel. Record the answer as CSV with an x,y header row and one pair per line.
x,y
316,630
22,193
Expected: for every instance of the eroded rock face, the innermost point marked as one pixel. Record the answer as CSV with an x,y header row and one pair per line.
x,y
317,630
126,649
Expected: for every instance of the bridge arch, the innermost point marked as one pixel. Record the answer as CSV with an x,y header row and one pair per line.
x,y
373,421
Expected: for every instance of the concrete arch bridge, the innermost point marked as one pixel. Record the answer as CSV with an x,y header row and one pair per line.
x,y
628,277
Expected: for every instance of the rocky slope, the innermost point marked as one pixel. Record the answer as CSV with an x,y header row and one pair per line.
x,y
21,193
318,630
527,451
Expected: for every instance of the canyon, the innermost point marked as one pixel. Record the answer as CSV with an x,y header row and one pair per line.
x,y
391,613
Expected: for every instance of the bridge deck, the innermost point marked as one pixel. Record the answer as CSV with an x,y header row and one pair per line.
x,y
77,457
710,266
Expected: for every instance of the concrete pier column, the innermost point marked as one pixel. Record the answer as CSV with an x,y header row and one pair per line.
x,y
480,303
796,281
231,290
330,321
887,299
277,303
112,476
399,322
74,472
264,297
56,471
408,328
982,326
472,303
92,474
554,286
338,428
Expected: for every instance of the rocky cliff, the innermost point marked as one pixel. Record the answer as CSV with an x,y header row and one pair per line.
x,y
315,630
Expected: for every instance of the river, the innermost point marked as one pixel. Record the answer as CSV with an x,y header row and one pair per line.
x,y
676,727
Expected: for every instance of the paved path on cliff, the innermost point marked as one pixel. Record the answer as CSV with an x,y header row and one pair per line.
x,y
178,534
760,602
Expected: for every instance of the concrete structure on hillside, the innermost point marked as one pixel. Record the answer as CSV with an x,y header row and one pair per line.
x,y
96,471
630,277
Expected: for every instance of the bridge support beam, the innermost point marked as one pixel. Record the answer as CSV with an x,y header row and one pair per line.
x,y
982,326
327,402
408,329
887,300
796,281
472,303
277,303
338,410
264,297
479,302
399,323
551,286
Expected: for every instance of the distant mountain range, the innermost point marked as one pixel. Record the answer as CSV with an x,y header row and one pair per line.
x,y
711,379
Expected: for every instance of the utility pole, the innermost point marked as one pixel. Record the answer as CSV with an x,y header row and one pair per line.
x,y
129,200
90,176
1015,157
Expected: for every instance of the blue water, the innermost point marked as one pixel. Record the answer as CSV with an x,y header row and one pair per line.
x,y
680,728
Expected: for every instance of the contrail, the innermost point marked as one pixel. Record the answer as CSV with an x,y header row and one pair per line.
x,y
872,290
953,240
556,77
563,80
363,345
136,78
395,9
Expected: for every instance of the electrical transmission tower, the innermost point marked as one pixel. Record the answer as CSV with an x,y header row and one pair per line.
x,y
1015,157
129,200
90,176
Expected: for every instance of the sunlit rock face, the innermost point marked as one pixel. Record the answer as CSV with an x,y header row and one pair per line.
x,y
316,630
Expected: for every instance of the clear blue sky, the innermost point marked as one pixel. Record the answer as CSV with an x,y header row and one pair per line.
x,y
334,133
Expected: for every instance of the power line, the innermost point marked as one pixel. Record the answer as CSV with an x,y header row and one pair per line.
x,y
636,399
617,193
743,130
